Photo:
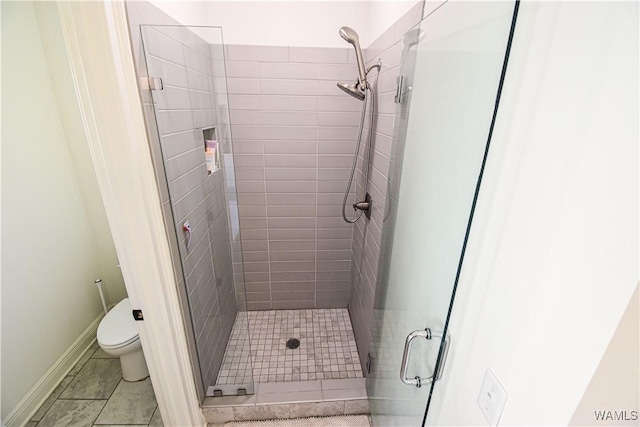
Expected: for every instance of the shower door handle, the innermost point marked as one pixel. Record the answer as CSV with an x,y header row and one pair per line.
x,y
417,380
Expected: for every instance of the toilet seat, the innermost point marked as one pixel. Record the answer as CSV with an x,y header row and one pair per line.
x,y
118,329
118,346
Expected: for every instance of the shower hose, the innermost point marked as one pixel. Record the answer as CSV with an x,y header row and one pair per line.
x,y
368,92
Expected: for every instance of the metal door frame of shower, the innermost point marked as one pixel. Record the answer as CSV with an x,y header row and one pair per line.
x,y
100,56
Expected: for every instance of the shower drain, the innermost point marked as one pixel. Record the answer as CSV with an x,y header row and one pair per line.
x,y
293,343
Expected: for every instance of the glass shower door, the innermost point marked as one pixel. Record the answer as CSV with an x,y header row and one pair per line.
x,y
452,63
187,79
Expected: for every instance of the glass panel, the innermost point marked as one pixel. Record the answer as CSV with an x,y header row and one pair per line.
x,y
192,112
451,67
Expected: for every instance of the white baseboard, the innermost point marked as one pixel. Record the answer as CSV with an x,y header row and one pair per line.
x,y
29,404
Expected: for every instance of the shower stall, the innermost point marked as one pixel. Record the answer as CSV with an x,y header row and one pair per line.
x,y
259,153
251,232
253,149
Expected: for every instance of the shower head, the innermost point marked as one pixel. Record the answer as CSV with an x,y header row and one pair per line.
x,y
349,35
352,37
352,89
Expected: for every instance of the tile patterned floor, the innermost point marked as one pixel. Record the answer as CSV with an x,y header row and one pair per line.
x,y
94,394
327,347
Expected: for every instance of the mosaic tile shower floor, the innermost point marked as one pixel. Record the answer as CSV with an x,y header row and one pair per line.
x,y
327,347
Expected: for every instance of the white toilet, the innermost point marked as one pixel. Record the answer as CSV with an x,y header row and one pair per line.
x,y
118,336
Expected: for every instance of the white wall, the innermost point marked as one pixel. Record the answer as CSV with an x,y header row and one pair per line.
x,y
63,87
289,23
615,384
553,257
382,14
52,246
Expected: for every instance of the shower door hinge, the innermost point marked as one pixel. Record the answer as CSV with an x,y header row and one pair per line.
x,y
155,83
398,98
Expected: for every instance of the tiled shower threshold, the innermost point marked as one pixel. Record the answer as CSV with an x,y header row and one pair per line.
x,y
291,399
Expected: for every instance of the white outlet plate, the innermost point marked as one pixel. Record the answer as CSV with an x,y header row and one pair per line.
x,y
492,398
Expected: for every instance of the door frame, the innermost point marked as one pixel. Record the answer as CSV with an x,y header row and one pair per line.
x,y
100,57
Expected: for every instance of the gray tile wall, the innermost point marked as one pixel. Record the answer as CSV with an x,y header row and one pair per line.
x,y
192,92
294,137
223,134
367,234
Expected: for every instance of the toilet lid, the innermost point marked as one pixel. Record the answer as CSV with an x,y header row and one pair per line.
x,y
117,328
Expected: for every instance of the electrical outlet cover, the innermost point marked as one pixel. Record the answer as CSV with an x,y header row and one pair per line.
x,y
492,398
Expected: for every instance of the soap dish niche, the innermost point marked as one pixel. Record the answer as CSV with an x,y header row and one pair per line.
x,y
211,149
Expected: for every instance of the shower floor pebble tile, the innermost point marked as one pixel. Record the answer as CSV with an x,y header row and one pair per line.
x,y
94,394
327,347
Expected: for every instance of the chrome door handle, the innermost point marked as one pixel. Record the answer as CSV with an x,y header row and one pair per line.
x,y
418,381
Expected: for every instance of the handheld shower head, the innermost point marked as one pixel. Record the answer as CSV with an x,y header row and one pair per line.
x,y
352,37
349,35
352,89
